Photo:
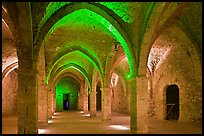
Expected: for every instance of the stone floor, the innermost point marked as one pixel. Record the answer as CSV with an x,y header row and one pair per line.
x,y
77,122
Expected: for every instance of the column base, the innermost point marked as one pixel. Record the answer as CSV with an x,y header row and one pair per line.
x,y
93,115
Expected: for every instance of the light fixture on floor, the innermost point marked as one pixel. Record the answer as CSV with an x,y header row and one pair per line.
x,y
55,113
86,115
41,131
119,127
49,121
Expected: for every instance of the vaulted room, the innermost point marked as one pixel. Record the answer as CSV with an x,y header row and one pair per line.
x,y
101,67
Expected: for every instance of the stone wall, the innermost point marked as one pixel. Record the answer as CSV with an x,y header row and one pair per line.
x,y
9,94
177,68
120,98
67,85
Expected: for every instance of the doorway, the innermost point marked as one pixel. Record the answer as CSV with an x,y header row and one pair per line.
x,y
172,102
98,98
65,101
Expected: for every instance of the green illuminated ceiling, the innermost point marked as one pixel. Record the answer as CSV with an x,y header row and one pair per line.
x,y
74,18
67,85
51,8
79,69
122,9
74,57
119,8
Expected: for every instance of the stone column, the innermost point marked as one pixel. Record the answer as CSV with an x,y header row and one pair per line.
x,y
42,103
49,104
93,94
27,101
106,103
85,96
53,102
133,104
142,104
80,98
42,90
93,102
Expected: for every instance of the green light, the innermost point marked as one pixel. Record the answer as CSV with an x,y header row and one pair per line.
x,y
121,9
94,16
69,86
78,53
76,67
51,8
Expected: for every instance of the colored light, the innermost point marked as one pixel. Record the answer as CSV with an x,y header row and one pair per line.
x,y
119,127
79,53
77,68
69,86
105,23
123,13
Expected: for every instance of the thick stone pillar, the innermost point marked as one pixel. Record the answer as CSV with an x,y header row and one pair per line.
x,y
106,103
80,98
133,105
42,90
49,104
93,102
85,96
42,103
142,104
53,103
93,94
27,101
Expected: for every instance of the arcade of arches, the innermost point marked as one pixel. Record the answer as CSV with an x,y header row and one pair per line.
x,y
142,59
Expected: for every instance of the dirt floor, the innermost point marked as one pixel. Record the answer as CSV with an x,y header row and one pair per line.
x,y
77,122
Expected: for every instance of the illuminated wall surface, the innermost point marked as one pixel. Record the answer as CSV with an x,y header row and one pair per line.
x,y
67,85
105,24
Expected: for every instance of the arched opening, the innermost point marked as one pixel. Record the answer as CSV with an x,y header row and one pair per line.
x,y
172,102
66,94
98,97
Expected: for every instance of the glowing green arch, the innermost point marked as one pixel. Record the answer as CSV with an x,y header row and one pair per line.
x,y
83,55
108,25
90,55
78,68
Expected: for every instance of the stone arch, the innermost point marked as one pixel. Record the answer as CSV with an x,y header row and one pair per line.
x,y
72,49
8,69
94,59
187,84
68,9
122,56
163,89
66,74
172,102
76,67
7,15
154,31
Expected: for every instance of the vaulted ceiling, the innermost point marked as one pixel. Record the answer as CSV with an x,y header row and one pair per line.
x,y
78,36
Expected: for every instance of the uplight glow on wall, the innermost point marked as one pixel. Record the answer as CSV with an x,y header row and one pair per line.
x,y
94,16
